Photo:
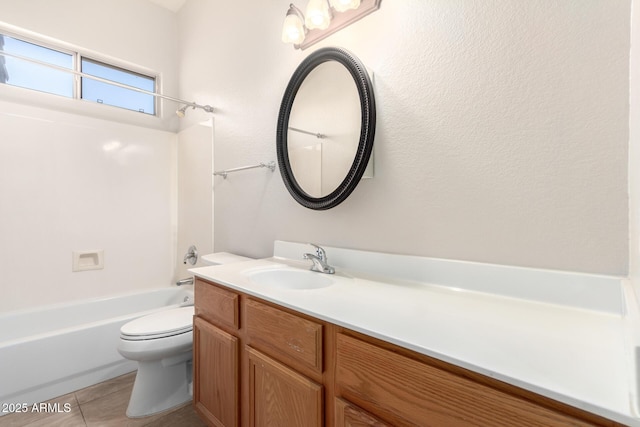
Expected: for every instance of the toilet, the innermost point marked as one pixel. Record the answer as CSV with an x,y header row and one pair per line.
x,y
162,343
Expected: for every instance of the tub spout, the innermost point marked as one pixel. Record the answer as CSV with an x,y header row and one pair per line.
x,y
187,281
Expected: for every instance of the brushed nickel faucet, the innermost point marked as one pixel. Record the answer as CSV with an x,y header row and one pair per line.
x,y
319,261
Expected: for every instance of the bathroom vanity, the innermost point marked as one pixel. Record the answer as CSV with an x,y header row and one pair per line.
x,y
275,344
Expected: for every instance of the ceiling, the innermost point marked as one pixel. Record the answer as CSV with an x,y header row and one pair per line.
x,y
172,5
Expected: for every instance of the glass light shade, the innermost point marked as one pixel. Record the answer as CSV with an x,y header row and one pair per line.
x,y
343,5
317,15
292,29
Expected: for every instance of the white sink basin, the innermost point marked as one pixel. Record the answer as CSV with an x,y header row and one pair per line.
x,y
290,279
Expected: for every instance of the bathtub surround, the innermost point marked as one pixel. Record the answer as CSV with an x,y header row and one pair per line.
x,y
195,195
78,176
71,183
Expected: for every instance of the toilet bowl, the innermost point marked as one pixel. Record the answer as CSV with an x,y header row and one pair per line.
x,y
161,344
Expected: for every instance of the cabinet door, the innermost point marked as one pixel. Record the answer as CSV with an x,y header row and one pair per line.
x,y
279,396
215,388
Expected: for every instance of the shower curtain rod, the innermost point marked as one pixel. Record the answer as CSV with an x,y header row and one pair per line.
x,y
207,108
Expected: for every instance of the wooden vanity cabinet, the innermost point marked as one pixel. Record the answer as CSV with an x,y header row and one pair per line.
x,y
408,391
259,364
255,364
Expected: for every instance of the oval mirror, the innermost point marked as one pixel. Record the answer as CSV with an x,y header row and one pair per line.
x,y
326,128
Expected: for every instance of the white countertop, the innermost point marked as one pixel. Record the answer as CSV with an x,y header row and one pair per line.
x,y
578,356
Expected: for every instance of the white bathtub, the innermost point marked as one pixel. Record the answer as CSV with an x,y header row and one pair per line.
x,y
51,351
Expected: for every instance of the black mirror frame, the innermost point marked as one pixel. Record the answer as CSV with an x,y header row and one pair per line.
x,y
367,130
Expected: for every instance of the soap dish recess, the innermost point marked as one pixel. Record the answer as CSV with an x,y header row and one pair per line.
x,y
88,260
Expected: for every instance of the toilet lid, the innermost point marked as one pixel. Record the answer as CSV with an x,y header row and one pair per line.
x,y
162,324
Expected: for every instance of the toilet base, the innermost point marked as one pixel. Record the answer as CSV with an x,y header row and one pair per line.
x,y
160,385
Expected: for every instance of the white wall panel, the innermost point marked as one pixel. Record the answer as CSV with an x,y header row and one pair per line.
x,y
70,183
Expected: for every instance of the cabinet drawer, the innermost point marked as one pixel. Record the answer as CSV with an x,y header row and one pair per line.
x,y
290,338
217,305
349,415
406,391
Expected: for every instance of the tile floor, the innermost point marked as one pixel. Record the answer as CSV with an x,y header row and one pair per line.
x,y
101,405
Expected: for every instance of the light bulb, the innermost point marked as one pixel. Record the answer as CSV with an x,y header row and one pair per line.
x,y
292,29
343,5
318,15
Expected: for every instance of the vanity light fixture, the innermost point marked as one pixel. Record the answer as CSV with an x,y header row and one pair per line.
x,y
344,5
322,18
293,30
318,15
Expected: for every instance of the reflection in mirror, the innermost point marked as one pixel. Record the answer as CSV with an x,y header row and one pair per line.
x,y
324,129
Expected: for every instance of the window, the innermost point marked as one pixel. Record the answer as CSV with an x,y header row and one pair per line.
x,y
43,68
105,93
18,72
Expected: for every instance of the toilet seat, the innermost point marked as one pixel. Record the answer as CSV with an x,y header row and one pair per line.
x,y
163,324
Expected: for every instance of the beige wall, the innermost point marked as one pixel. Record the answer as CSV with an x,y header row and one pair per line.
x,y
502,129
634,148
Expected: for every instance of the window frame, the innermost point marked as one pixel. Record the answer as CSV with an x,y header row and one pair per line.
x,y
50,46
81,57
77,55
